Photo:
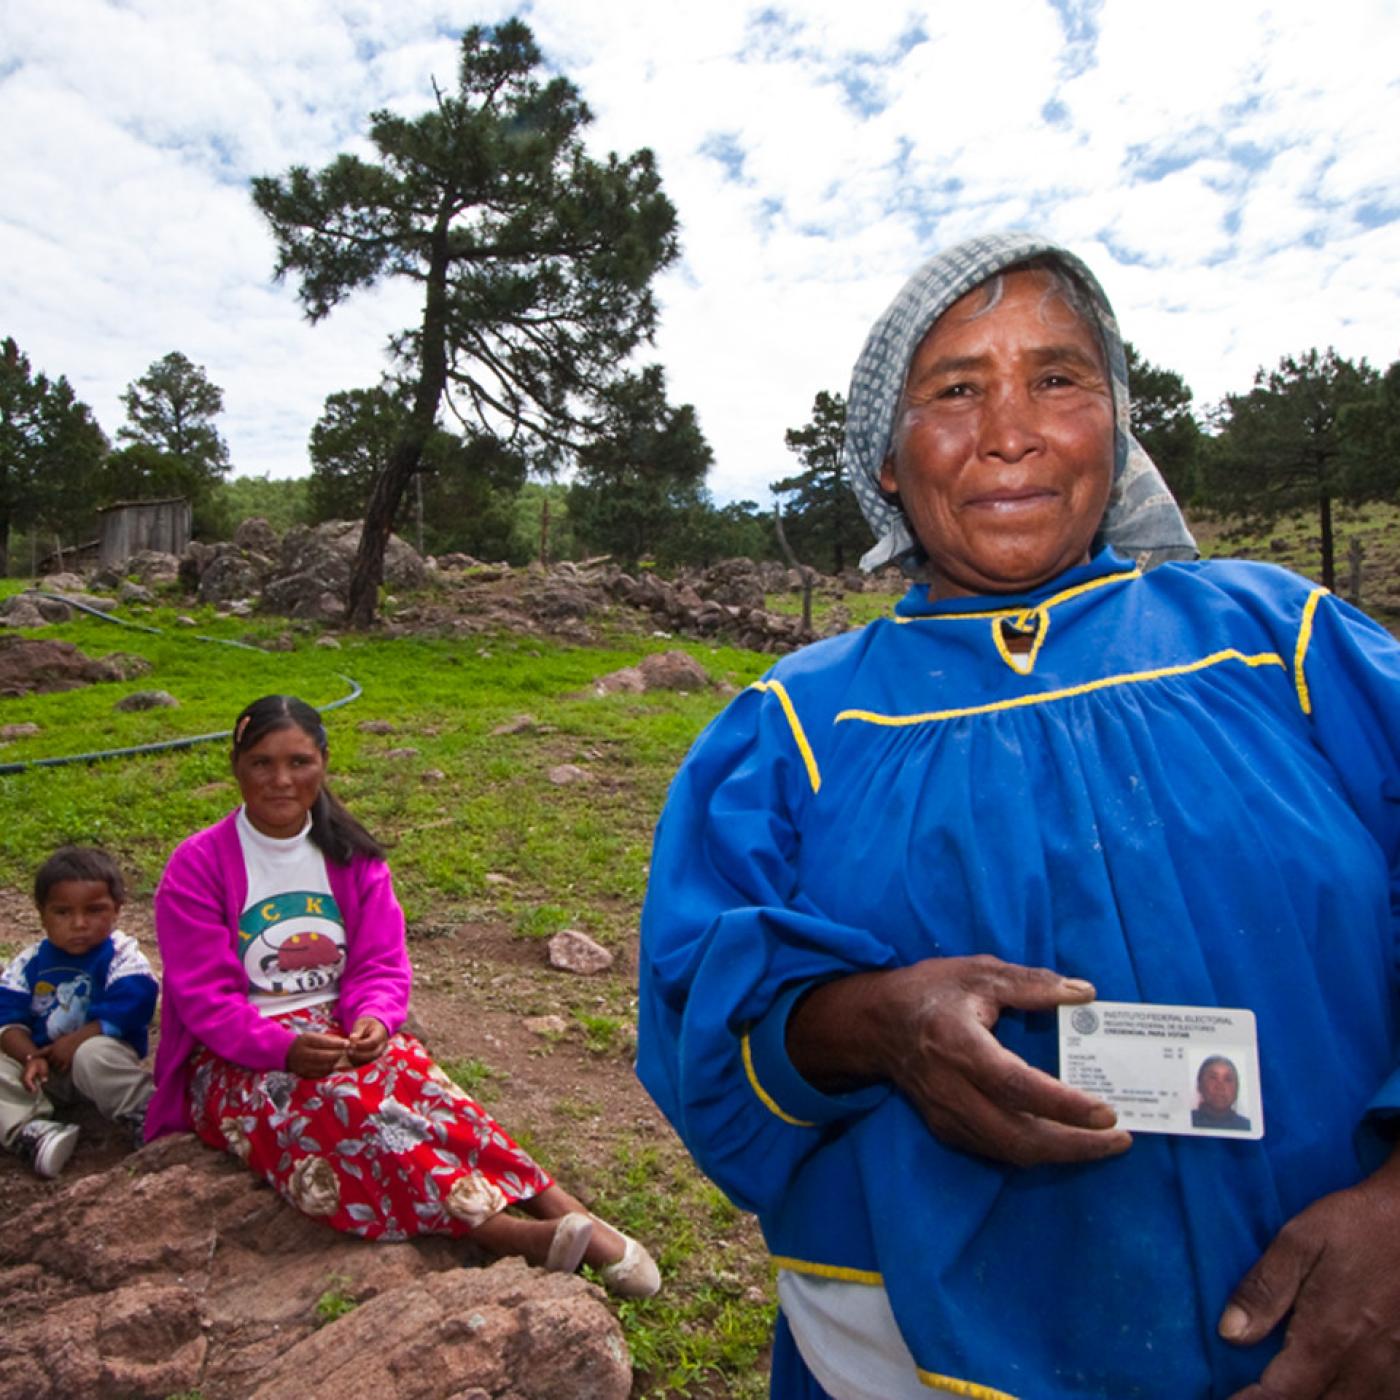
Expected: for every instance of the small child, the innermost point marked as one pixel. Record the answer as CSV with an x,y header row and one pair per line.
x,y
75,1008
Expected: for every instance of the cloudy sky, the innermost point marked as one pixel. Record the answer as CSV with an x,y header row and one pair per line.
x,y
1228,167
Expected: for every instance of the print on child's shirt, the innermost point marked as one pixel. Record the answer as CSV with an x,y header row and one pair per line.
x,y
61,998
292,945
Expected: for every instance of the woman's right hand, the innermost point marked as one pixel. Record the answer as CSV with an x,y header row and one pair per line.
x,y
314,1055
928,1028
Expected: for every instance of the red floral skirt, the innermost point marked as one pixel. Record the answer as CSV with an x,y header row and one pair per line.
x,y
385,1150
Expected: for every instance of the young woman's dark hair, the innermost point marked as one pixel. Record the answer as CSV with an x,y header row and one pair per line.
x,y
78,863
333,829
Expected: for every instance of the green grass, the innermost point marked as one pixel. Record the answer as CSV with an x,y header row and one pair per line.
x,y
704,1333
853,609
475,1076
603,1034
1294,541
335,1301
572,852
576,856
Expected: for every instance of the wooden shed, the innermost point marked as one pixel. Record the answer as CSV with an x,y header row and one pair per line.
x,y
131,526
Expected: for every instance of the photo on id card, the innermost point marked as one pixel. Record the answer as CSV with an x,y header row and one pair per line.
x,y
1192,1070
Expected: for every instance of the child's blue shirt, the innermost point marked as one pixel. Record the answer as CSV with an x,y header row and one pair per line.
x,y
51,992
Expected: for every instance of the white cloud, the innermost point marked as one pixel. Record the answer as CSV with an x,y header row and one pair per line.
x,y
1226,168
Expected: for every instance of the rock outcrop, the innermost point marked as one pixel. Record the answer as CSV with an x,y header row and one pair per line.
x,y
29,666
178,1271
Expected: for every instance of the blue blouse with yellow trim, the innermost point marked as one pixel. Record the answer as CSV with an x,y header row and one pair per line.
x,y
1187,791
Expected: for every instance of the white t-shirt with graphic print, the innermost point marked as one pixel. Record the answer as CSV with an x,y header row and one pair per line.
x,y
291,934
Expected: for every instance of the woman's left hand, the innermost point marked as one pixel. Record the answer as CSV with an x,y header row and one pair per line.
x,y
1334,1266
368,1037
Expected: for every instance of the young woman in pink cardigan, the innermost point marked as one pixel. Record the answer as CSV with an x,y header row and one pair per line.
x,y
286,982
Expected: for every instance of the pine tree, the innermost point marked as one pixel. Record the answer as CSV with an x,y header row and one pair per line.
x,y
50,448
170,412
533,259
1281,446
822,520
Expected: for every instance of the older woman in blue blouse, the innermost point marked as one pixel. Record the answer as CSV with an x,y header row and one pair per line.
x,y
1053,775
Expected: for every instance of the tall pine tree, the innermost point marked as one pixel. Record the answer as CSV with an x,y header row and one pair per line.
x,y
534,260
170,415
822,518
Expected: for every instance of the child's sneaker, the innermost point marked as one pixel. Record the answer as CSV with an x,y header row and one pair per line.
x,y
46,1145
134,1125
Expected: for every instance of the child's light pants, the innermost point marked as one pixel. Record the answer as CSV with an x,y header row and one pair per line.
x,y
105,1070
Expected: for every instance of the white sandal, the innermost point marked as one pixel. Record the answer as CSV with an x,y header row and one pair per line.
x,y
635,1275
570,1243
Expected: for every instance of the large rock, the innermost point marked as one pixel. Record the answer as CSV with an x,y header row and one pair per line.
x,y
178,1271
62,583
508,1331
30,667
153,566
737,581
256,534
304,595
571,950
22,610
328,551
193,563
672,670
232,573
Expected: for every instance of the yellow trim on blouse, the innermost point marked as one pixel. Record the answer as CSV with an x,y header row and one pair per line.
x,y
798,733
1035,620
1264,658
1300,652
839,1272
1053,601
950,1385
764,1097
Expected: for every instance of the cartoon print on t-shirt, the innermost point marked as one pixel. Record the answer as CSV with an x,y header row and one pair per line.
x,y
292,944
62,1004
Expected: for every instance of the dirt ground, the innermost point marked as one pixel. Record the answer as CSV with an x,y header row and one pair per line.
x,y
474,987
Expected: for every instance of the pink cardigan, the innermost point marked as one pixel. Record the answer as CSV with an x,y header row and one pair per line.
x,y
204,997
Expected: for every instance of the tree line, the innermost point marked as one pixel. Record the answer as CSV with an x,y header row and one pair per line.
x,y
1314,432
515,420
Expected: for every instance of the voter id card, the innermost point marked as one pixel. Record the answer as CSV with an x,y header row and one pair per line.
x,y
1192,1070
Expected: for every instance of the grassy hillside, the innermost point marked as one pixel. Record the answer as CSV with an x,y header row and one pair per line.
x,y
489,857
1293,542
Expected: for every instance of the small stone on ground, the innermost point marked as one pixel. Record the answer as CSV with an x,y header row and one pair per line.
x,y
573,951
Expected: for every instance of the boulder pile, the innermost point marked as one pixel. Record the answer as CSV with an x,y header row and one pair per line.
x,y
305,574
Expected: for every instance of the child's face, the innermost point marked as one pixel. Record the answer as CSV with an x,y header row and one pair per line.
x,y
78,915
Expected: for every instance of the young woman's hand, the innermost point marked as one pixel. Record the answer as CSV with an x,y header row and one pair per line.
x,y
314,1055
368,1037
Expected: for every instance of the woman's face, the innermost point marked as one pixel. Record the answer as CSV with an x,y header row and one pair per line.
x,y
1003,452
1219,1087
280,777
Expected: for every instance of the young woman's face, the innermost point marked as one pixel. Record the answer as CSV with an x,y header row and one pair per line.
x,y
280,778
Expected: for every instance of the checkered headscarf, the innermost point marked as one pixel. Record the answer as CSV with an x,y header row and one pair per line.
x,y
1142,519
